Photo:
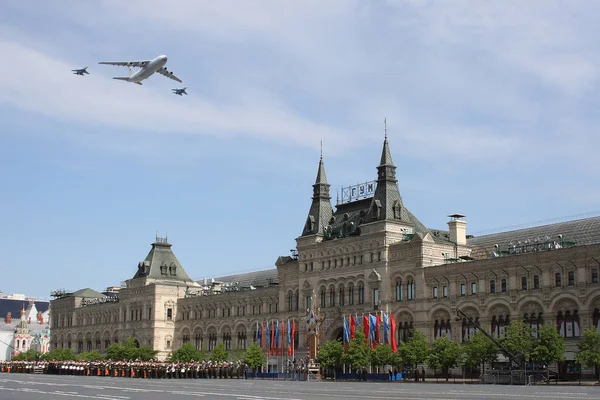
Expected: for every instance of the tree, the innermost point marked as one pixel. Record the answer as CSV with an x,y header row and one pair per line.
x,y
416,350
130,351
59,355
93,355
444,354
255,357
330,354
29,355
518,340
219,353
549,347
186,353
358,354
480,350
588,353
382,355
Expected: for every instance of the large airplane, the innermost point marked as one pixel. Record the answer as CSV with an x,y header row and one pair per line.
x,y
180,91
148,68
80,71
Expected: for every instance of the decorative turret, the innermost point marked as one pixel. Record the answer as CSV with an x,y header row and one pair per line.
x,y
387,203
320,210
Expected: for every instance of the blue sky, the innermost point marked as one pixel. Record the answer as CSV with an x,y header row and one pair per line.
x,y
491,110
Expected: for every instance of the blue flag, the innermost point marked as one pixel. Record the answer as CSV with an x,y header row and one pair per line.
x,y
386,327
256,336
268,338
373,324
277,334
289,333
346,331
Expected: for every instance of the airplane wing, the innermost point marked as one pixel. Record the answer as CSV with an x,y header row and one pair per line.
x,y
126,63
168,74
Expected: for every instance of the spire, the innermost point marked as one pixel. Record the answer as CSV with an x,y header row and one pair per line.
x,y
321,210
387,203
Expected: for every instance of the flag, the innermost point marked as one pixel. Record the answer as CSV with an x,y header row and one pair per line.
x,y
352,326
386,328
289,339
268,339
372,328
282,336
262,337
256,335
293,337
272,337
366,327
276,342
377,323
346,332
393,335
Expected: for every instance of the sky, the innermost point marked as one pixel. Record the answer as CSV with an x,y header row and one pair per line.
x,y
491,110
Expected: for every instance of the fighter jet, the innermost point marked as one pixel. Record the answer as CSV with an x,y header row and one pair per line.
x,y
80,71
180,91
147,69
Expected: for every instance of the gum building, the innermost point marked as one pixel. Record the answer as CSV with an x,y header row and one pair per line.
x,y
367,254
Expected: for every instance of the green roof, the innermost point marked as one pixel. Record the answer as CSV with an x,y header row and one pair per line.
x,y
161,263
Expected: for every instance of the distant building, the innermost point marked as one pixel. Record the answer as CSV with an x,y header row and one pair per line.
x,y
369,255
25,325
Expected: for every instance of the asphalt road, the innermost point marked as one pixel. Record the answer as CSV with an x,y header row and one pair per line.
x,y
50,387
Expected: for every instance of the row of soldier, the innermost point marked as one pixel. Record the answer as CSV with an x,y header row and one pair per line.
x,y
132,369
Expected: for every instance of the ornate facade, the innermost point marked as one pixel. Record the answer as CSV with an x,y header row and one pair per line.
x,y
367,255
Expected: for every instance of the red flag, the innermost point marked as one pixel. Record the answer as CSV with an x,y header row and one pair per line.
x,y
353,323
291,350
393,333
377,328
366,327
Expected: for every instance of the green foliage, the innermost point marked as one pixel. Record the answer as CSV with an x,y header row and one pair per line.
x,y
358,354
93,355
518,340
549,347
330,354
416,350
60,355
254,356
382,355
29,355
444,354
186,353
219,353
129,351
479,350
588,353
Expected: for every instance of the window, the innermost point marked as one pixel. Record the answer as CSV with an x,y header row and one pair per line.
x,y
168,344
568,323
308,302
492,286
404,330
473,288
594,275
535,322
399,290
372,257
410,289
351,295
173,270
445,291
557,279
361,294
290,302
341,297
442,329
376,298
536,281
227,340
332,297
523,283
468,328
571,278
169,314
353,260
312,267
499,324
322,264
379,256
322,297
305,267
198,341
435,292
463,289
504,286
163,270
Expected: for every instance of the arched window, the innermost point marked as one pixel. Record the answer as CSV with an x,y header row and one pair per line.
x,y
535,322
596,319
227,340
198,341
341,296
399,294
241,340
212,341
323,297
468,328
297,301
351,294
404,330
410,289
332,297
290,302
442,328
499,324
568,324
361,293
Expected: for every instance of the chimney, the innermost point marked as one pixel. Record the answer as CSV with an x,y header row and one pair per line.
x,y
29,320
8,318
40,318
458,229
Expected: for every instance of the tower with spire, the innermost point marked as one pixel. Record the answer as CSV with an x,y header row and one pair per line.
x,y
321,210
